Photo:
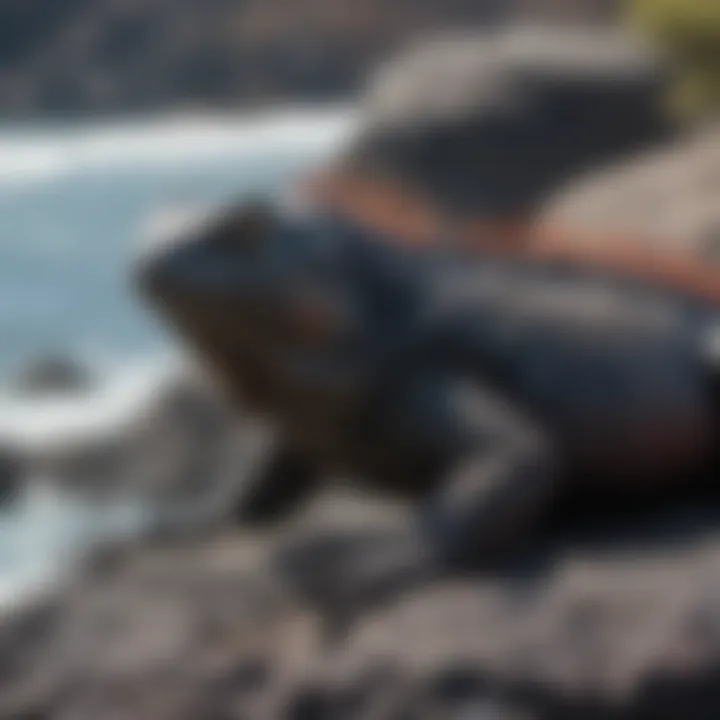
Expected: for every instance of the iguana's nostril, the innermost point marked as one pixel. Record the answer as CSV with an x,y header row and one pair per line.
x,y
159,270
149,273
155,268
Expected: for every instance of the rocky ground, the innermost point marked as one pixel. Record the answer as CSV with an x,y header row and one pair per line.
x,y
589,626
608,614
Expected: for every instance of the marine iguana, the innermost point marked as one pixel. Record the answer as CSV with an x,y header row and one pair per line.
x,y
478,386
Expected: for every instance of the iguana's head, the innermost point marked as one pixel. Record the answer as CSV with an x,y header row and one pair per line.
x,y
253,288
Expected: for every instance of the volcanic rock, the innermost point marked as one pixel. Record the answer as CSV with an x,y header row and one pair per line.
x,y
489,124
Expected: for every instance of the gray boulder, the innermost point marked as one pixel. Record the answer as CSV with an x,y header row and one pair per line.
x,y
490,124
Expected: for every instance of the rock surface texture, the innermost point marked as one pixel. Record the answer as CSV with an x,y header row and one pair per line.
x,y
668,196
582,629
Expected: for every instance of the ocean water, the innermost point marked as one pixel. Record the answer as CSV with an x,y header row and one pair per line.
x,y
73,200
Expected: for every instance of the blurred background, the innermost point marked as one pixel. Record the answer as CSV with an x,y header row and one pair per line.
x,y
114,112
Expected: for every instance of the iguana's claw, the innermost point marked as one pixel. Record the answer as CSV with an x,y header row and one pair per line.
x,y
343,574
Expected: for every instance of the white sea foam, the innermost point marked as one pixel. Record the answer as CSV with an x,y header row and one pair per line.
x,y
47,532
36,424
46,529
39,155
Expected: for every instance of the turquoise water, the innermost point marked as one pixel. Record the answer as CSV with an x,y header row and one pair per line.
x,y
73,201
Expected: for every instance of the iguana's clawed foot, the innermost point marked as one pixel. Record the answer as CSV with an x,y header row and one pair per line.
x,y
343,574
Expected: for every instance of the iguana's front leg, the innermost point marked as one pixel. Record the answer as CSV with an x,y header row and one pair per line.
x,y
499,483
279,482
499,476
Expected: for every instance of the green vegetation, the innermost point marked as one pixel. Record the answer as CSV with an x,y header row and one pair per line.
x,y
690,31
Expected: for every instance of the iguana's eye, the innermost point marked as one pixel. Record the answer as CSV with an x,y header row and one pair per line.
x,y
245,229
315,319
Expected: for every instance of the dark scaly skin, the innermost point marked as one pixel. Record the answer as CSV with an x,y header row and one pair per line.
x,y
477,386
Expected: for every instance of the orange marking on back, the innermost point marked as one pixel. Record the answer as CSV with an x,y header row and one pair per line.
x,y
412,220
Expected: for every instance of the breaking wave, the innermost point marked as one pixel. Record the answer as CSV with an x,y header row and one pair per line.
x,y
43,155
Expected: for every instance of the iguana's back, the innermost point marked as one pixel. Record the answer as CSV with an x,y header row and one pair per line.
x,y
613,366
